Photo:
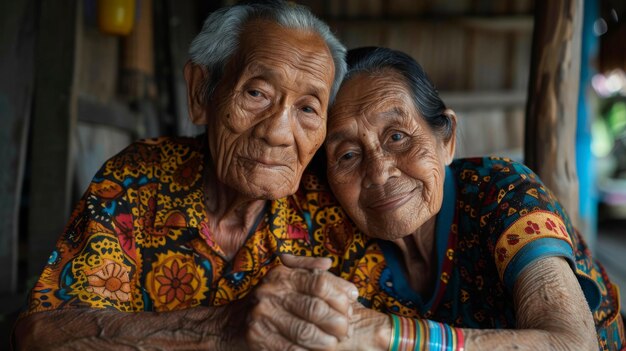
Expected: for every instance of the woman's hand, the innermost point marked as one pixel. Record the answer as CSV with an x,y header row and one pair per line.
x,y
369,330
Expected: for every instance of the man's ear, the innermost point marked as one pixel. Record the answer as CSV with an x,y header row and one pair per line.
x,y
196,77
450,144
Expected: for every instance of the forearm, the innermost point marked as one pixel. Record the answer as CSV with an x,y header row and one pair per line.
x,y
196,328
551,314
410,334
518,339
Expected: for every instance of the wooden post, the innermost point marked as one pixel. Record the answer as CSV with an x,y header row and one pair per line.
x,y
182,29
54,123
138,57
551,110
17,43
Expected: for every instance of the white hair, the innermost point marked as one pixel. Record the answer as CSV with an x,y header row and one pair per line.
x,y
219,38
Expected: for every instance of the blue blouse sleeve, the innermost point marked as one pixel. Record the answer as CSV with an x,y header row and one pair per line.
x,y
531,224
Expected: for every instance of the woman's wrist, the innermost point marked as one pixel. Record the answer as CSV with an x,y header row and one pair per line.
x,y
408,334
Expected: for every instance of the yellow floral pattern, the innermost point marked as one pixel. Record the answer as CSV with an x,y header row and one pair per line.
x,y
139,240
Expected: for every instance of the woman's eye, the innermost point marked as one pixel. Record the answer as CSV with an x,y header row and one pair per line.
x,y
347,156
254,93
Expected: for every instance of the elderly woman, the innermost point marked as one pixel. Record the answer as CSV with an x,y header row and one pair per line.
x,y
466,254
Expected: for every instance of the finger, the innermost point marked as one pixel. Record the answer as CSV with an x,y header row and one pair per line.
x,y
313,282
269,315
261,337
304,262
335,291
319,313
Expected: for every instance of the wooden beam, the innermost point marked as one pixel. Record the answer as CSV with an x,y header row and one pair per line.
x,y
494,99
551,110
17,42
110,114
54,121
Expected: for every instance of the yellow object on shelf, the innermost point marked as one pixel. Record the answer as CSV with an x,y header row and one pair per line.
x,y
116,16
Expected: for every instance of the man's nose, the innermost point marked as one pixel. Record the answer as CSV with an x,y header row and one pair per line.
x,y
378,170
276,129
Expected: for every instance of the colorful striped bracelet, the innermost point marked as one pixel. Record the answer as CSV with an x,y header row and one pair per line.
x,y
408,334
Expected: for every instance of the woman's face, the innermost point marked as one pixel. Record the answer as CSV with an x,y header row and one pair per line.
x,y
385,164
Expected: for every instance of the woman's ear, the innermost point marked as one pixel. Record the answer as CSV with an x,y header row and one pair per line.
x,y
196,77
450,144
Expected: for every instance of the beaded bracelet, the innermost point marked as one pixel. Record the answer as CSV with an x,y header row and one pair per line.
x,y
408,334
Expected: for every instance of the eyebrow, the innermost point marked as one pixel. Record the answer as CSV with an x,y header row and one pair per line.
x,y
271,74
337,137
395,116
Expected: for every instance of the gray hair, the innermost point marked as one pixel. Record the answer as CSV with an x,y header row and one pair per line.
x,y
219,38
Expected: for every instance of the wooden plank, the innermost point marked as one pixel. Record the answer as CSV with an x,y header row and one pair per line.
x,y
100,52
111,114
484,99
354,35
96,144
407,7
552,99
437,46
17,42
364,8
489,64
521,61
500,23
183,27
137,79
54,121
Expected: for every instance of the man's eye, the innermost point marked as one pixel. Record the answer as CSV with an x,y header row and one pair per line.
x,y
308,109
397,136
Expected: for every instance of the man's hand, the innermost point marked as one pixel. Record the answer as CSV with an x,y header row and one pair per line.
x,y
301,306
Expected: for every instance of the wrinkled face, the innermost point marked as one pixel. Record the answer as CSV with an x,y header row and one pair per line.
x,y
267,117
385,165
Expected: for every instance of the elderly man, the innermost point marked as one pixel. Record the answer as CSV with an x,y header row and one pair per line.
x,y
180,230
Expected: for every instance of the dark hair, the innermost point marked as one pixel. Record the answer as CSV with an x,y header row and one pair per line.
x,y
425,96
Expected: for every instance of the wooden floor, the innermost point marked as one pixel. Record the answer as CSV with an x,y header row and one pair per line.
x,y
611,251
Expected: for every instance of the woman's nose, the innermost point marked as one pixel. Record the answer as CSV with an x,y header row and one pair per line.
x,y
378,170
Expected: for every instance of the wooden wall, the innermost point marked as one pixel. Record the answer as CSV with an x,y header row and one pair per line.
x,y
476,52
17,45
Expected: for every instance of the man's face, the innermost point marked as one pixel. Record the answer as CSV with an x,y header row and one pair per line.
x,y
267,116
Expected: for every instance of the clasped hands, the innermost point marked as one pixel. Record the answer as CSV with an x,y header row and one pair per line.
x,y
301,306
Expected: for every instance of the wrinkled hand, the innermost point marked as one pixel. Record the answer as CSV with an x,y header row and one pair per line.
x,y
370,330
300,306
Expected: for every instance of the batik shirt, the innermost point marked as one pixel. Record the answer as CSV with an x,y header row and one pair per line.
x,y
138,240
496,218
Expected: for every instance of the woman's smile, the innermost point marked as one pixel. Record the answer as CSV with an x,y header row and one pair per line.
x,y
392,201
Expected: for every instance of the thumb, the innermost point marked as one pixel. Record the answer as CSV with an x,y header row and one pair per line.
x,y
291,261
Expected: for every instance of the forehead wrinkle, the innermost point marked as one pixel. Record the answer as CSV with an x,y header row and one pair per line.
x,y
395,116
289,71
284,48
345,132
